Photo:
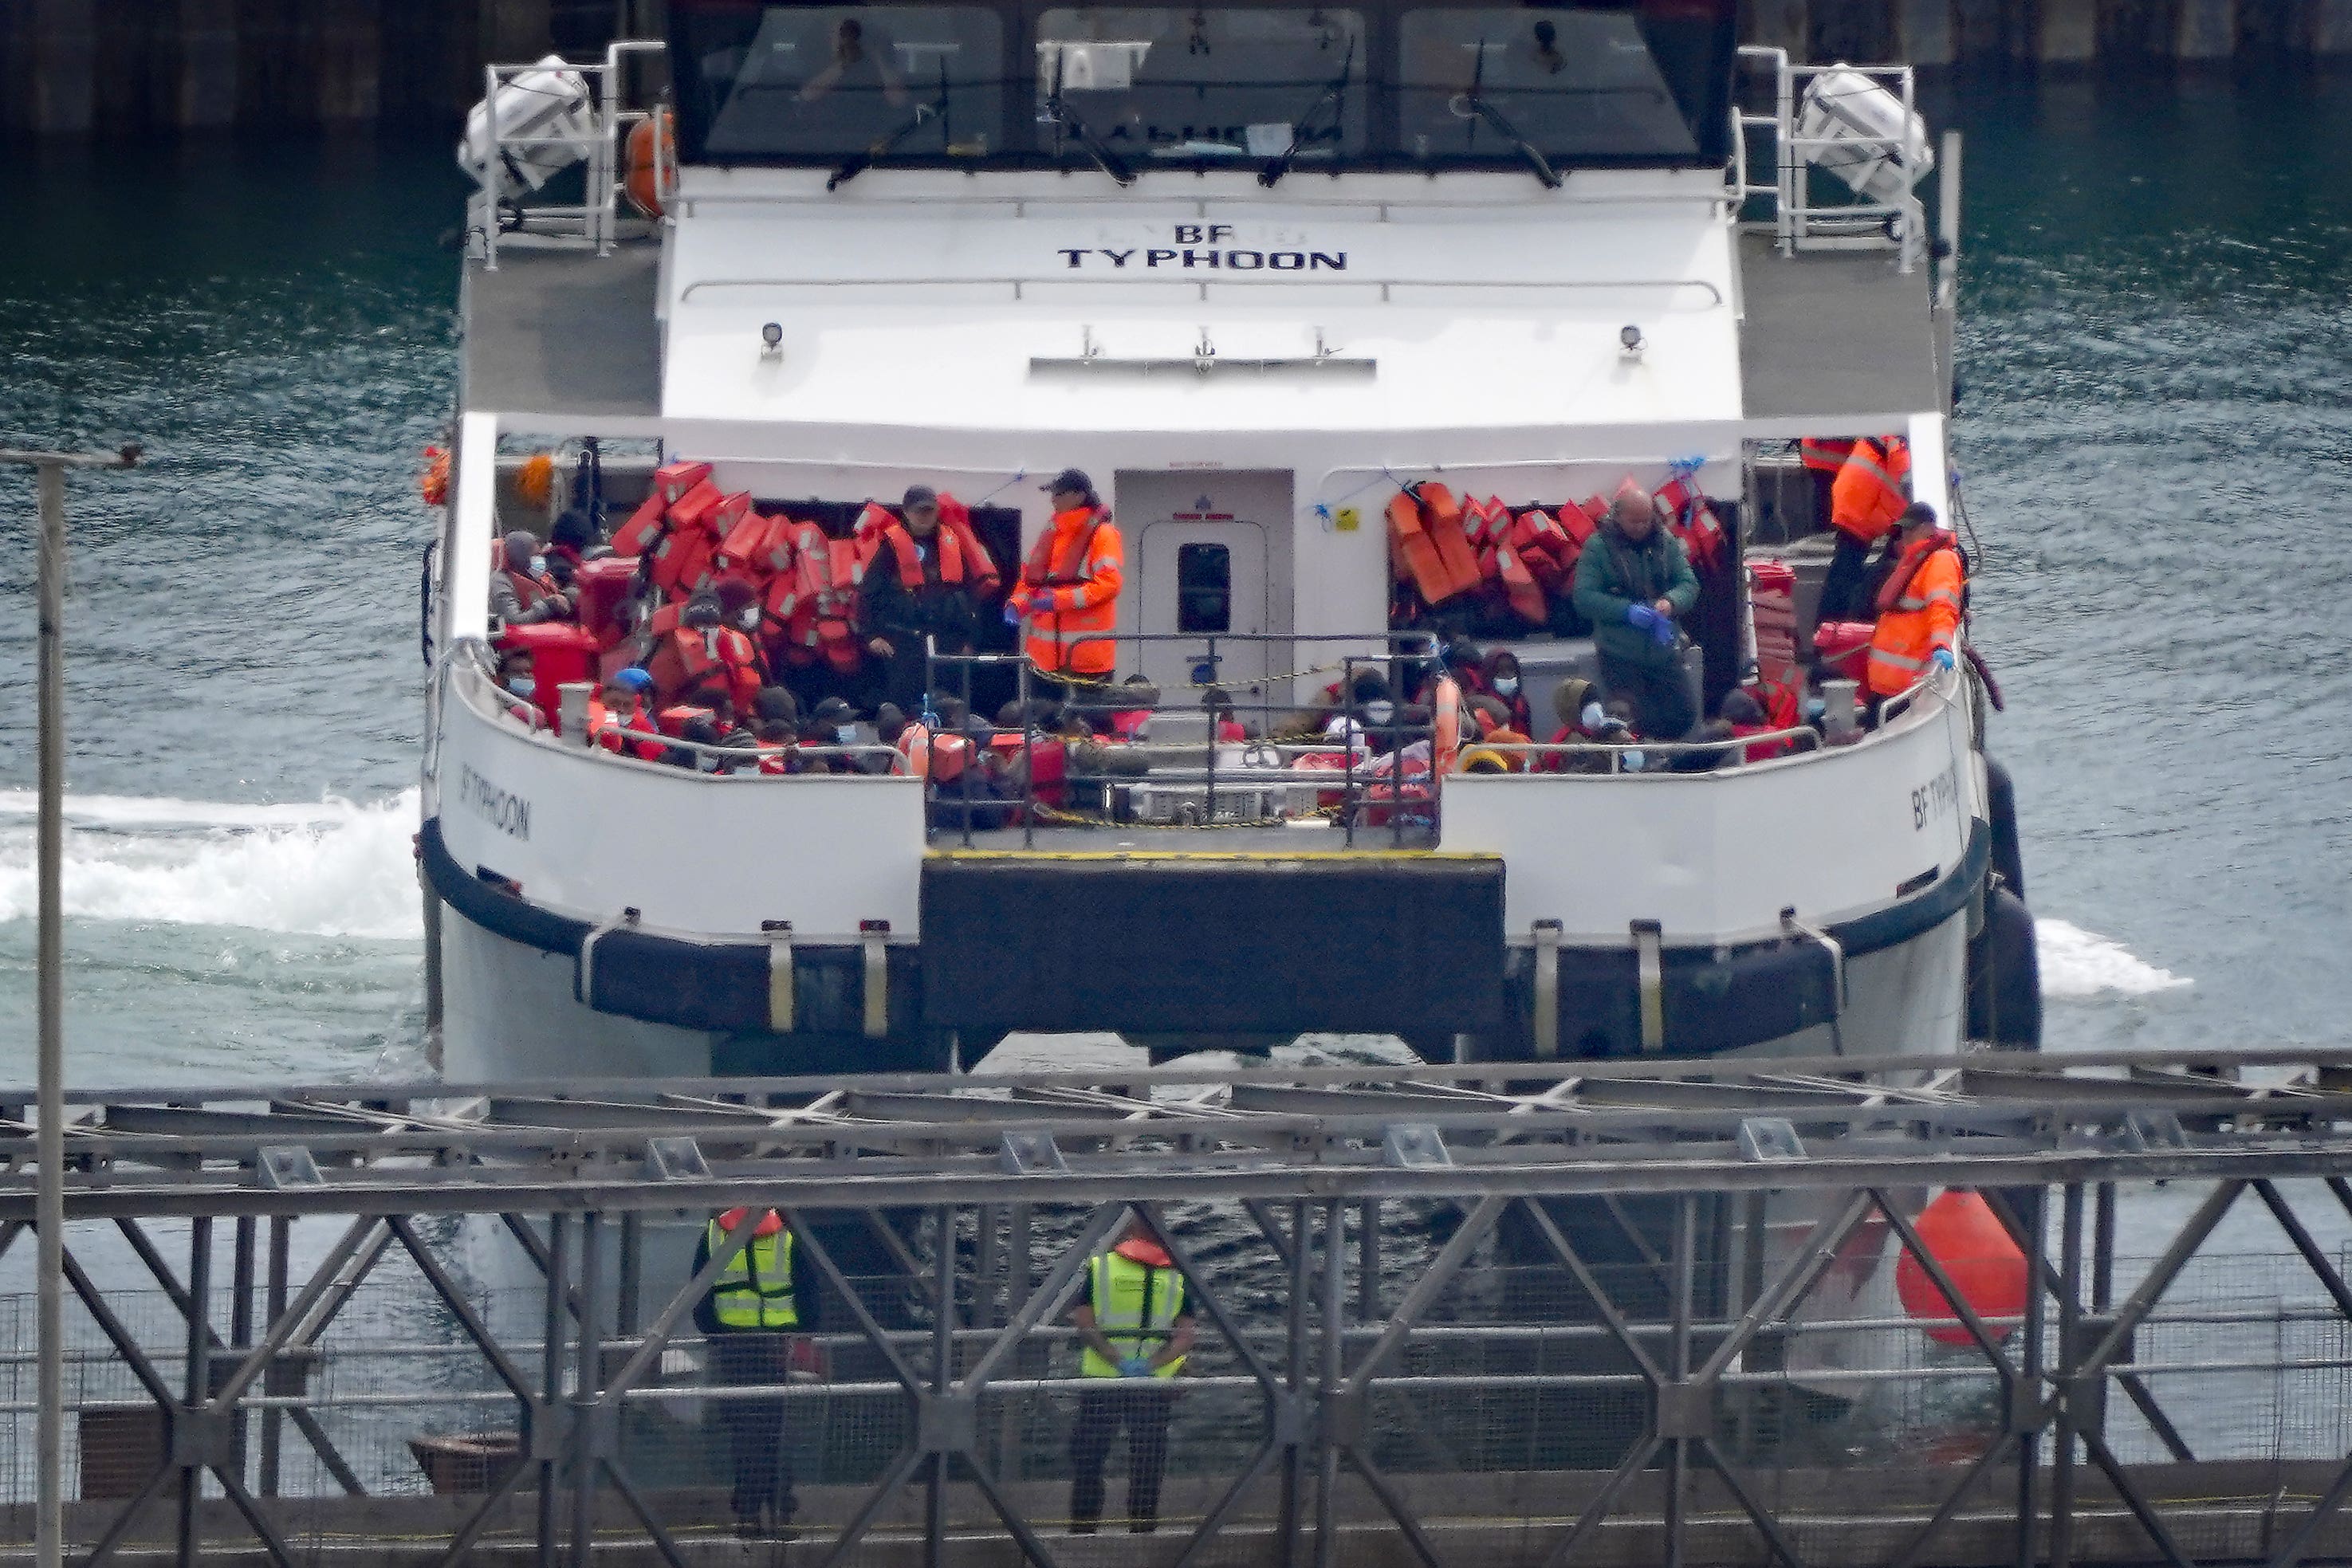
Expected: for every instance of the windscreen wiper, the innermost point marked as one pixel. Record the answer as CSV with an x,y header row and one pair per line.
x,y
1335,95
1058,110
1472,105
859,163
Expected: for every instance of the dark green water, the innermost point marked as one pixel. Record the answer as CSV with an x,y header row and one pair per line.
x,y
2155,446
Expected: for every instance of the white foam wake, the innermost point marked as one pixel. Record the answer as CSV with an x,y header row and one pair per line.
x,y
336,868
2079,963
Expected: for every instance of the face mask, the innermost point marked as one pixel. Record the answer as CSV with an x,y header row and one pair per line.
x,y
1380,710
1815,707
523,687
845,734
1506,685
539,566
1592,717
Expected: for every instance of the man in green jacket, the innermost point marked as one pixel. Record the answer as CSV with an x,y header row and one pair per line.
x,y
1634,584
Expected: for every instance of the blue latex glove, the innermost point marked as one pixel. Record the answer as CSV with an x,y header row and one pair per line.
x,y
1135,1367
1041,604
1944,660
1662,632
1012,612
1641,618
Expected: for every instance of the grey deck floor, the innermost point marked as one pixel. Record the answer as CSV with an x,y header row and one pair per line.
x,y
1834,333
567,332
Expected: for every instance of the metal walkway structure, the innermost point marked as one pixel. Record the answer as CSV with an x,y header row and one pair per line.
x,y
1534,1315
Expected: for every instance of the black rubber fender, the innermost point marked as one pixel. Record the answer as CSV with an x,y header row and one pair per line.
x,y
2005,976
2000,803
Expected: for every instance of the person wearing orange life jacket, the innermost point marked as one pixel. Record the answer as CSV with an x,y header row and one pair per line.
x,y
1069,586
1870,492
1137,1326
1919,607
915,585
521,591
765,1294
617,713
710,655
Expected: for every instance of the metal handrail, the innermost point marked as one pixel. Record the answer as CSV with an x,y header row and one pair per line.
x,y
1533,749
743,757
1409,645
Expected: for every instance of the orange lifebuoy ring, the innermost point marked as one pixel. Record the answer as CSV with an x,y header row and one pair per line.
x,y
650,163
1445,720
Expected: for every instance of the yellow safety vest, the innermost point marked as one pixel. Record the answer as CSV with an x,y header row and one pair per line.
x,y
755,1290
1135,1306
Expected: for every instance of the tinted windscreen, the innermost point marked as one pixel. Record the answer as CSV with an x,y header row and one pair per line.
x,y
1156,84
1571,83
789,82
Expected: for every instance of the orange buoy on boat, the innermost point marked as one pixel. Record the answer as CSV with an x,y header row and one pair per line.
x,y
1976,1252
650,162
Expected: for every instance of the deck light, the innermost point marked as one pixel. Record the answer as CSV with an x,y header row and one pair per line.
x,y
1630,337
772,339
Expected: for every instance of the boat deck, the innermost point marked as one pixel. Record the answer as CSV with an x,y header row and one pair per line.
x,y
563,332
1834,334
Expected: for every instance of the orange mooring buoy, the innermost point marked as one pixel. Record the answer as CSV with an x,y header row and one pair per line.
x,y
1975,1251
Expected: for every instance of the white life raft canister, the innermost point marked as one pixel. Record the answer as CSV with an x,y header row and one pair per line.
x,y
548,108
1866,139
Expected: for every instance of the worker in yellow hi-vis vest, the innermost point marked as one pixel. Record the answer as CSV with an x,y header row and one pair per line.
x,y
1137,1326
763,1297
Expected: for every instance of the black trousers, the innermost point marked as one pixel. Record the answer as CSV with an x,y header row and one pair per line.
x,y
755,1428
1661,697
1141,1406
1841,587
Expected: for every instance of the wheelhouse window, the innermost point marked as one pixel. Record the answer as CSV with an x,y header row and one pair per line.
x,y
1571,84
789,83
1278,89
1185,85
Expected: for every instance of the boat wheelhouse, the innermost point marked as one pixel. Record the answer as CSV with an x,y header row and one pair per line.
x,y
1259,269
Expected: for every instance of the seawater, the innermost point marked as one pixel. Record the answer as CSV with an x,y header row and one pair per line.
x,y
2154,443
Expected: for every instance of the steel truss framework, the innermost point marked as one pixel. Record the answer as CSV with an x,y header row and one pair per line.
x,y
575,1173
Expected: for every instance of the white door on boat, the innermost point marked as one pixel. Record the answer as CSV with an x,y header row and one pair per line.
x,y
1203,554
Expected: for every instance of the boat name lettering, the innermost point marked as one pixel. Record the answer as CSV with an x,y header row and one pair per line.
x,y
1202,245
1938,797
506,811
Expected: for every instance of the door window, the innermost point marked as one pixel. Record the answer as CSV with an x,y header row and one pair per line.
x,y
1205,588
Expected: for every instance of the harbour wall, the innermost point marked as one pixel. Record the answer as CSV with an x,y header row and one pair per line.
x,y
74,69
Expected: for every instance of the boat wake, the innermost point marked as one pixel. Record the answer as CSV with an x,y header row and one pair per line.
x,y
2076,963
334,869
344,869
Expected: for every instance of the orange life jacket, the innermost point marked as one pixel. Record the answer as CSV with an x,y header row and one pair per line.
x,y
1921,615
1519,584
1080,562
1868,496
901,541
979,566
809,608
1692,520
718,654
529,588
613,731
